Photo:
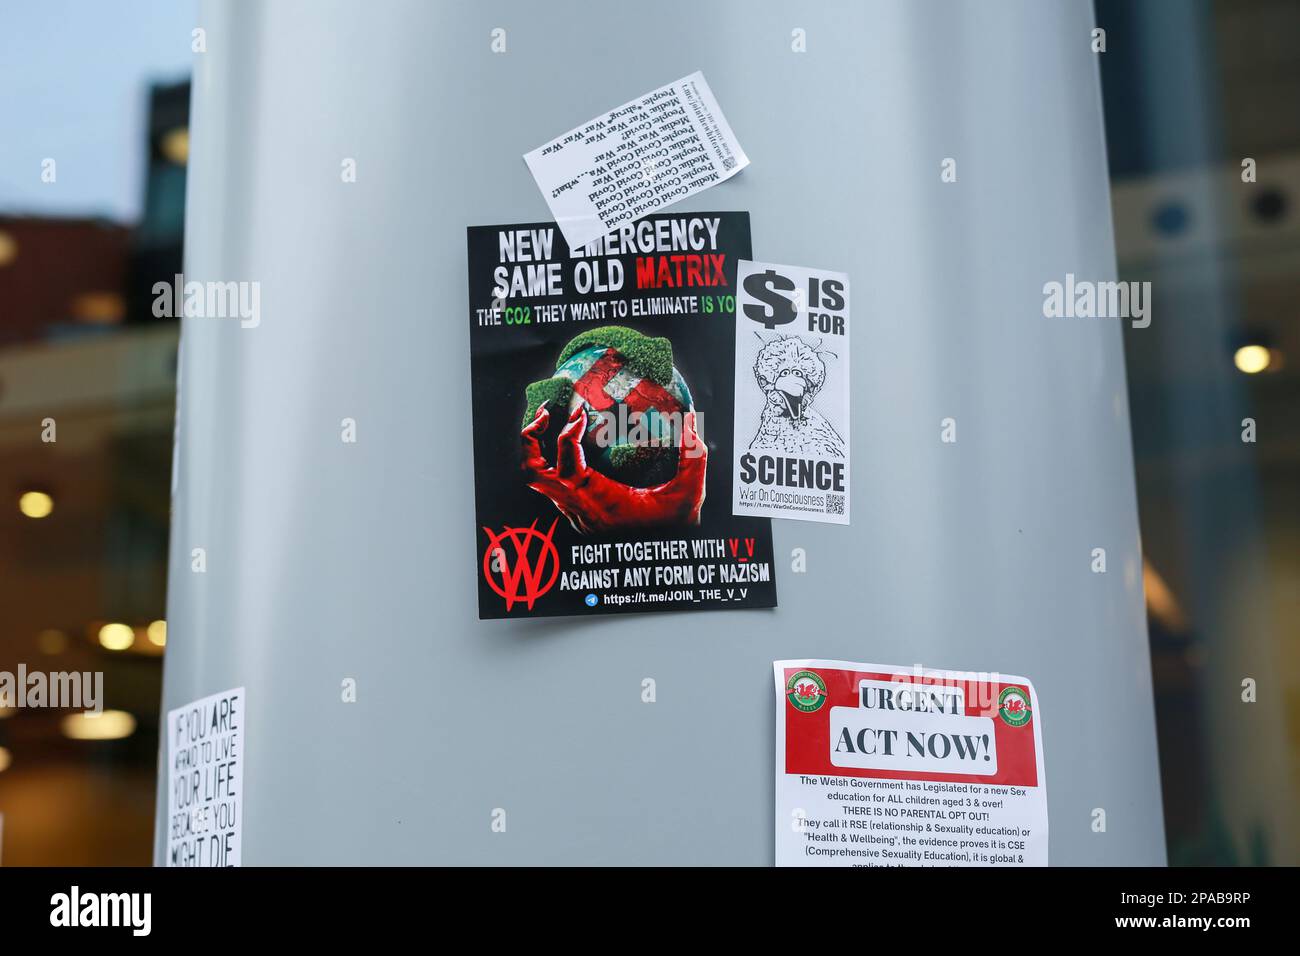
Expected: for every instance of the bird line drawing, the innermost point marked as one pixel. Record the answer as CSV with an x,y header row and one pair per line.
x,y
790,373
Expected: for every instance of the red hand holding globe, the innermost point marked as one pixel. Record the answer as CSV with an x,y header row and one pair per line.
x,y
593,502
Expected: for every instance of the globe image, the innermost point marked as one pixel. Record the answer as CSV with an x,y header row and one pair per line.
x,y
634,397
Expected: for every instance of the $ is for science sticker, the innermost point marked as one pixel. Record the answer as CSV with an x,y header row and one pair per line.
x,y
792,393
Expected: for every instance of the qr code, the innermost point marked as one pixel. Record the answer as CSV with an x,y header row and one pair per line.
x,y
835,504
728,162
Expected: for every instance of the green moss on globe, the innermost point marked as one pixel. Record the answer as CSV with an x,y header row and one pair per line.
x,y
651,357
625,381
557,391
642,466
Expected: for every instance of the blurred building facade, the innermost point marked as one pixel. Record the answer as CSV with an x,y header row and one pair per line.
x,y
1205,162
87,400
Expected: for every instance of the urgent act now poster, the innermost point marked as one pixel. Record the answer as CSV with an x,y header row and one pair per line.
x,y
603,393
898,766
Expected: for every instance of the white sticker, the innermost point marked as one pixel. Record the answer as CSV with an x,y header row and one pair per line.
x,y
640,157
792,393
205,781
900,766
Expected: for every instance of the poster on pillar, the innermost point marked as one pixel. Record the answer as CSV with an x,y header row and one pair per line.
x,y
904,766
205,781
602,418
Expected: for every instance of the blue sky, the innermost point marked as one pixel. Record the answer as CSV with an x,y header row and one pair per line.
x,y
74,75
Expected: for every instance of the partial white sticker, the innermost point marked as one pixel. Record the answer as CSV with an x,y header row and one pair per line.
x,y
792,393
205,781
637,158
902,766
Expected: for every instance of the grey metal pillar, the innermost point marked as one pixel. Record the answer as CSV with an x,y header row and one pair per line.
x,y
328,560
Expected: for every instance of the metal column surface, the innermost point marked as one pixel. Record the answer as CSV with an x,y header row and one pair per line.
x,y
328,560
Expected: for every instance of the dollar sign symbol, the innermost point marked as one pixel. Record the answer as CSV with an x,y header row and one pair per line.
x,y
779,310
